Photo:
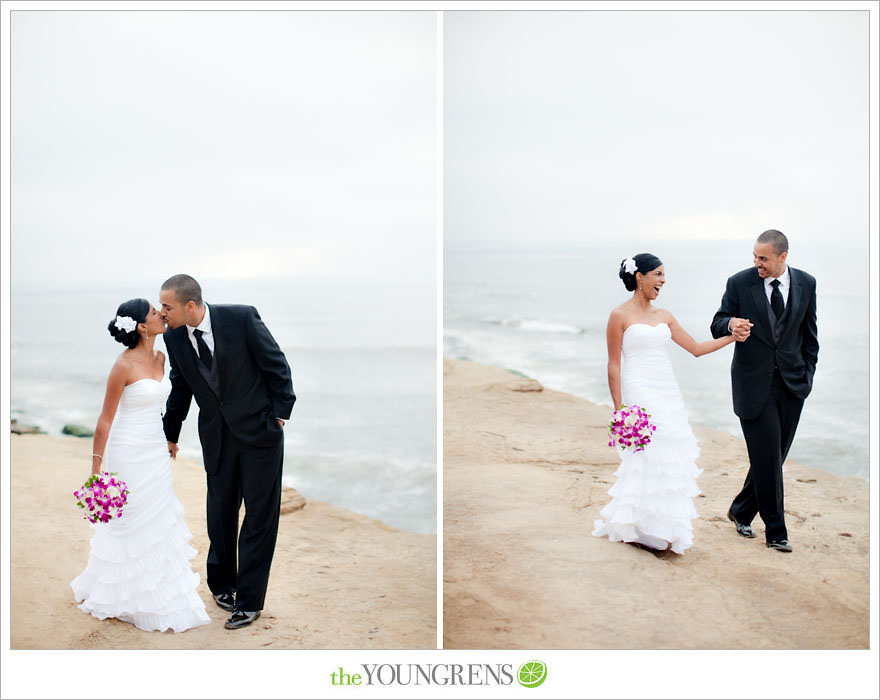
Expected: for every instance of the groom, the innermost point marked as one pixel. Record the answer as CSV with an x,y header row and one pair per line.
x,y
225,356
773,305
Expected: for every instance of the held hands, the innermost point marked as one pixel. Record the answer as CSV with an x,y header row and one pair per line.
x,y
740,328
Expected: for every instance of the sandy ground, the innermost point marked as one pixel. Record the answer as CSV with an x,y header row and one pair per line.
x,y
339,580
526,471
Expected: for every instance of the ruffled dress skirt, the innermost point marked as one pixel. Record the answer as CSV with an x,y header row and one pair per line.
x,y
652,498
138,569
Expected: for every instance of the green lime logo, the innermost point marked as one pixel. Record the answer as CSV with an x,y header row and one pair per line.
x,y
531,674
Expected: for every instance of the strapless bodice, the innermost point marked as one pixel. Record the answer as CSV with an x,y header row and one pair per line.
x,y
145,392
641,338
139,414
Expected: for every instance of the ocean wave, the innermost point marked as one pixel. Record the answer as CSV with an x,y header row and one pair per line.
x,y
332,477
541,326
395,465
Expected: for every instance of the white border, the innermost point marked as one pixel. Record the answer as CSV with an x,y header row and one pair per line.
x,y
5,340
303,673
439,204
874,321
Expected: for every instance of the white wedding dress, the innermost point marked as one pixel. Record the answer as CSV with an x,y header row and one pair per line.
x,y
138,569
652,500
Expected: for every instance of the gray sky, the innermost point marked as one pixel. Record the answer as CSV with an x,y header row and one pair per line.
x,y
578,126
223,144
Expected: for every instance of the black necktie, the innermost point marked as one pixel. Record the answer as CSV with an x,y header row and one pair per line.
x,y
776,302
204,353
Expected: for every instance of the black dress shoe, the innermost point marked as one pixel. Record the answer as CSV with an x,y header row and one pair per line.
x,y
781,545
744,530
225,601
241,618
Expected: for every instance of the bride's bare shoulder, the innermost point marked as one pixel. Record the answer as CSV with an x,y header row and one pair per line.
x,y
121,369
665,315
123,360
619,314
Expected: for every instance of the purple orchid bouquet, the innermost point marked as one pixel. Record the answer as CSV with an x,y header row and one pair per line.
x,y
102,496
631,427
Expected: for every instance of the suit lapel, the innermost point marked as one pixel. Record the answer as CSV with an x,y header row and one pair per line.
x,y
759,297
794,302
221,344
183,352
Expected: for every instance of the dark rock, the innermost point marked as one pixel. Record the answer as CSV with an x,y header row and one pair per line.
x,y
77,431
20,429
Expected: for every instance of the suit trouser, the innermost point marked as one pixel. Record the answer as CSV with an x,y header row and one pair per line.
x,y
768,438
252,475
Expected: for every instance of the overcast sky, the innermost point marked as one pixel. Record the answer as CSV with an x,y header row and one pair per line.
x,y
580,126
223,144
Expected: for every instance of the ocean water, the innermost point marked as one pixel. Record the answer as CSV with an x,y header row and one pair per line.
x,y
543,312
363,431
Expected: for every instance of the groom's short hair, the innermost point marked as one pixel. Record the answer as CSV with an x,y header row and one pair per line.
x,y
775,238
185,288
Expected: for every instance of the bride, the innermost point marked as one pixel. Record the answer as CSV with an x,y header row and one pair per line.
x,y
138,569
652,500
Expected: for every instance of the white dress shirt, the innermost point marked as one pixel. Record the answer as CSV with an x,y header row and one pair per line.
x,y
784,285
207,335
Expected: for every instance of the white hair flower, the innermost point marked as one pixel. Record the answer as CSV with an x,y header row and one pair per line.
x,y
630,265
125,323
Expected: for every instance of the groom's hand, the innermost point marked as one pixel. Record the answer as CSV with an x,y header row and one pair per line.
x,y
740,328
172,449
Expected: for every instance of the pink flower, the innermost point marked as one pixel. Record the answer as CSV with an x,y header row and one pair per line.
x,y
102,497
630,427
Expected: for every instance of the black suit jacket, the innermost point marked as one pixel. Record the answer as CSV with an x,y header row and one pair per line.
x,y
255,383
796,353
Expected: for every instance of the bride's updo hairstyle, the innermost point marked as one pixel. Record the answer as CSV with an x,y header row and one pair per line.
x,y
135,309
645,262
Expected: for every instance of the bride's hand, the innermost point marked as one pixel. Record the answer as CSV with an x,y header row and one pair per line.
x,y
172,449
